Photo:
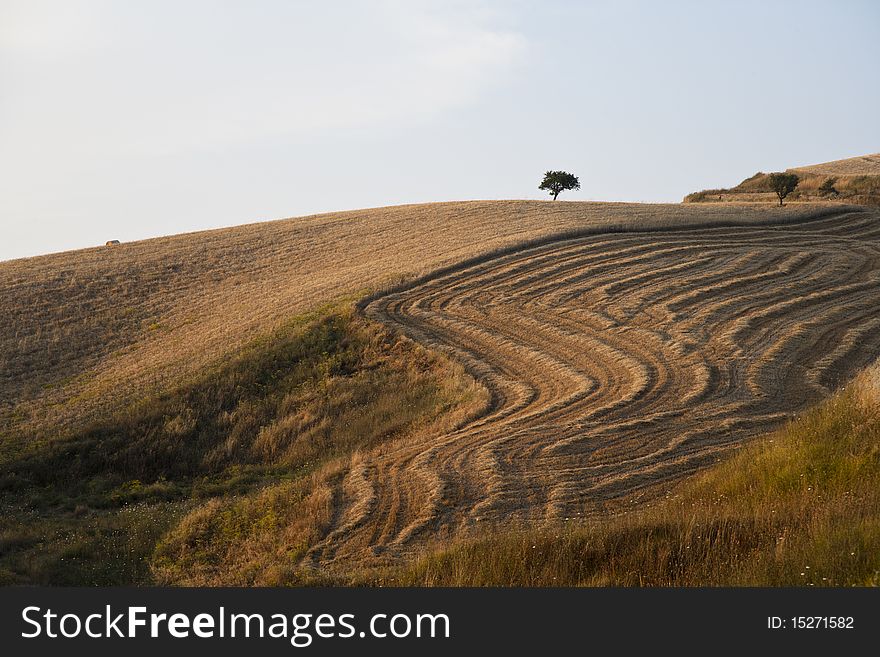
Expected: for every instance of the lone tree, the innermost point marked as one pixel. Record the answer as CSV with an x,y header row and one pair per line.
x,y
783,184
559,181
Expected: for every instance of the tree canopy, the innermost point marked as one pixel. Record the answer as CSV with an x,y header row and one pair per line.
x,y
783,184
559,181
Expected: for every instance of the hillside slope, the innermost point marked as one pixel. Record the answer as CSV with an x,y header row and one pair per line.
x,y
581,358
85,333
864,165
852,180
616,364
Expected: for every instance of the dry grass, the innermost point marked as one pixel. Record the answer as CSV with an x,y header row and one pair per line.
x,y
82,546
864,165
256,540
295,403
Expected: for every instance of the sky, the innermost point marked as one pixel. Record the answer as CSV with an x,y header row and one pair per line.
x,y
124,120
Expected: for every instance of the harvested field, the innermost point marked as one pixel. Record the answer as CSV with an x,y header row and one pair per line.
x,y
86,333
620,347
616,364
864,165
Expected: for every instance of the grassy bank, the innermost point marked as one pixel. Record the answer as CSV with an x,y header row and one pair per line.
x,y
89,506
798,508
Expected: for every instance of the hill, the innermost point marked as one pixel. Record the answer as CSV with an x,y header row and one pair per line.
x,y
88,332
852,180
315,396
864,165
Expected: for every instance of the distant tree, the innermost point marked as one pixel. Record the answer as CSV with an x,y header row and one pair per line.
x,y
558,181
827,188
783,184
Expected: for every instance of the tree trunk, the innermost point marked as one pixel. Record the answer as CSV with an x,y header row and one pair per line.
x,y
555,194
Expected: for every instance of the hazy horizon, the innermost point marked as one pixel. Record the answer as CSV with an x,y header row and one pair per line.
x,y
124,121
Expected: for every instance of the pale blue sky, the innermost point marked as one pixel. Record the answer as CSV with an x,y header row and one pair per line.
x,y
123,120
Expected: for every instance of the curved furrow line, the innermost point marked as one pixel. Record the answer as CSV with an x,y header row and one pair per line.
x,y
828,372
832,223
736,313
